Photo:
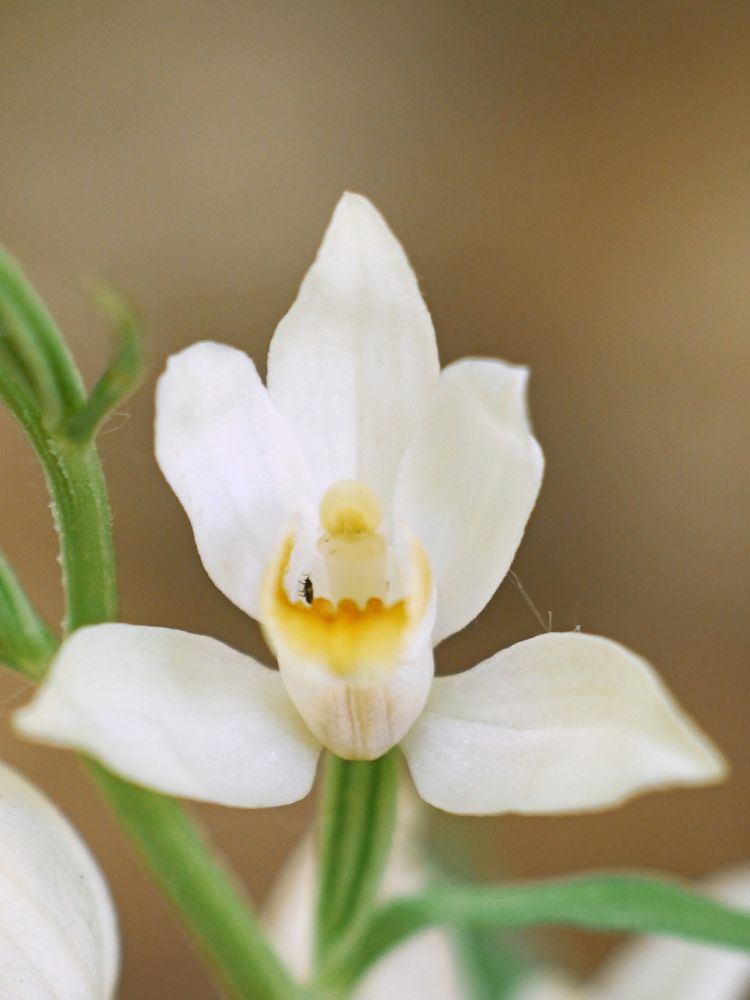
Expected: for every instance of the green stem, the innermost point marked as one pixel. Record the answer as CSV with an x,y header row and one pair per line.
x,y
358,812
200,886
84,523
179,854
599,902
81,511
180,857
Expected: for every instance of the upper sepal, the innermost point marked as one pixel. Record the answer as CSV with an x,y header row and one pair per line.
x,y
353,364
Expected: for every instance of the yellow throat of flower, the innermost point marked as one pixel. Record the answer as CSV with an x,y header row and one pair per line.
x,y
353,629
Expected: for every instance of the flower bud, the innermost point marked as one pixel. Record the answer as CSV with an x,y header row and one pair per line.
x,y
58,933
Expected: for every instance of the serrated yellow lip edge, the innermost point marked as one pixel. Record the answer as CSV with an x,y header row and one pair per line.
x,y
345,638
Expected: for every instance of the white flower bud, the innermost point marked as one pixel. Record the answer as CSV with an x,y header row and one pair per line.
x,y
58,933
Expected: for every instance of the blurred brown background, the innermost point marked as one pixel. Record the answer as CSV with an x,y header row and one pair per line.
x,y
572,184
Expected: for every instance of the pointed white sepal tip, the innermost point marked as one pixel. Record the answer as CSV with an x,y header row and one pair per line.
x,y
355,208
58,931
359,249
353,201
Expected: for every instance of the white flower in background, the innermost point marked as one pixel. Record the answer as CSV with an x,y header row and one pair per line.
x,y
428,965
362,507
424,967
58,933
663,968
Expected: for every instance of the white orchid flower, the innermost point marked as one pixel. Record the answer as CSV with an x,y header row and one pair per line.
x,y
58,932
362,506
652,968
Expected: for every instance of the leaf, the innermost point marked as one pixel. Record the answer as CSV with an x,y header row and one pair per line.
x,y
34,347
123,374
26,643
599,902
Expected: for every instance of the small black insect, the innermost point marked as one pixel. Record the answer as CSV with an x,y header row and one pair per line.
x,y
306,589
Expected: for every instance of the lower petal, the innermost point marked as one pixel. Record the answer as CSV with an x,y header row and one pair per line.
x,y
561,722
358,717
180,713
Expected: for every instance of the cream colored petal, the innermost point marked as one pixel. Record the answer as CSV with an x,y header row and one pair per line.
x,y
468,483
58,933
667,969
353,363
231,460
180,713
358,717
424,967
561,722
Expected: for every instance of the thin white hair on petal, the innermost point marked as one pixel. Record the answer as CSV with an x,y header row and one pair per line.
x,y
530,604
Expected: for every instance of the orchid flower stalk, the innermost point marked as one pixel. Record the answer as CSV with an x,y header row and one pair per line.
x,y
361,506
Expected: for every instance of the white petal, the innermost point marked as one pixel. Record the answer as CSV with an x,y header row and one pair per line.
x,y
561,722
468,483
232,462
58,934
358,717
422,968
666,969
180,713
353,363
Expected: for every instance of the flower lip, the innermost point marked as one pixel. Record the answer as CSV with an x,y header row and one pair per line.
x,y
346,636
354,605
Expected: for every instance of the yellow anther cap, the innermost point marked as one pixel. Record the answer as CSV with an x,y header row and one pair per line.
x,y
349,508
